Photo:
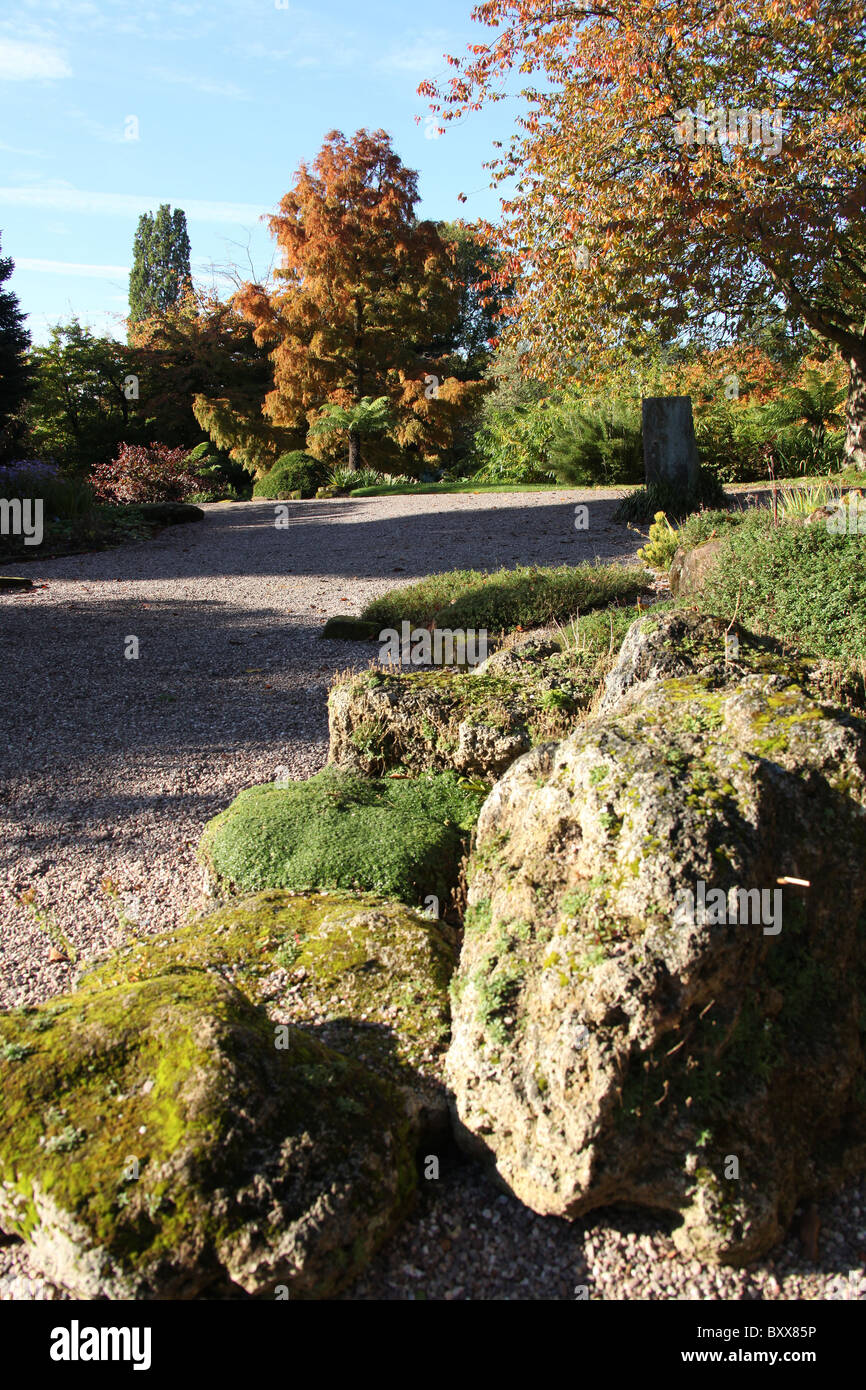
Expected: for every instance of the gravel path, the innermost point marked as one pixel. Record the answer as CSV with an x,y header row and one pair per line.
x,y
111,767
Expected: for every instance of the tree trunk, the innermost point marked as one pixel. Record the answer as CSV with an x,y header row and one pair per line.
x,y
354,451
855,415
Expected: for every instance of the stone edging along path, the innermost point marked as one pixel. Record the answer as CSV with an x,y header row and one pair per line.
x,y
111,767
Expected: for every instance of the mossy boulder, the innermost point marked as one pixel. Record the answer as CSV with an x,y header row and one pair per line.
x,y
610,1046
371,977
157,1142
476,722
350,629
681,642
401,838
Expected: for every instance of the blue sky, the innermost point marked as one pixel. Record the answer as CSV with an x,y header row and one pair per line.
x,y
225,100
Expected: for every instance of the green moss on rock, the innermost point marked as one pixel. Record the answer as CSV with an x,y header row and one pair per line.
x,y
398,837
371,976
204,1155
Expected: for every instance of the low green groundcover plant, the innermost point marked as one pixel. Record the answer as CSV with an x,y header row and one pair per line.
x,y
400,837
600,632
799,583
526,596
707,525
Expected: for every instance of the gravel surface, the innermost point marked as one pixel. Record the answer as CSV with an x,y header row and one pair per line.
x,y
111,766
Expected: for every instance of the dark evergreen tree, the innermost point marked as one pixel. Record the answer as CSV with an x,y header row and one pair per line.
x,y
15,376
160,275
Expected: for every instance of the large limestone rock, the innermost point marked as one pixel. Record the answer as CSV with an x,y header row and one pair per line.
x,y
689,568
369,977
675,643
156,1142
476,722
607,1049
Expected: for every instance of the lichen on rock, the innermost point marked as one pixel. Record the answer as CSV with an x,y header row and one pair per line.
x,y
155,1142
475,722
370,978
606,1049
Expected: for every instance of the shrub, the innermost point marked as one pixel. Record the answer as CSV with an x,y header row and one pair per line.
x,y
512,444
220,478
798,583
574,441
663,542
798,449
730,440
63,498
798,431
146,473
292,472
595,444
526,596
348,479
646,502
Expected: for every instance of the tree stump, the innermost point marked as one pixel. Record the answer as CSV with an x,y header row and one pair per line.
x,y
670,452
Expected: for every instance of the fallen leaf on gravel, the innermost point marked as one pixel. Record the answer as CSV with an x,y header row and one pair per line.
x,y
54,954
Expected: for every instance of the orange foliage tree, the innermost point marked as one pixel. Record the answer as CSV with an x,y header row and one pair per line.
x,y
364,293
190,355
680,167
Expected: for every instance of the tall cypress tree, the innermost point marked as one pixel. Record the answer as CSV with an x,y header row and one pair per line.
x,y
160,275
15,373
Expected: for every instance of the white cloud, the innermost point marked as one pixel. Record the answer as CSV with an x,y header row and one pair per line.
x,y
229,90
27,154
29,62
63,198
94,272
422,56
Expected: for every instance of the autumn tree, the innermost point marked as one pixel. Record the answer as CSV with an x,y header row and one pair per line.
x,y
683,170
199,347
355,309
160,275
